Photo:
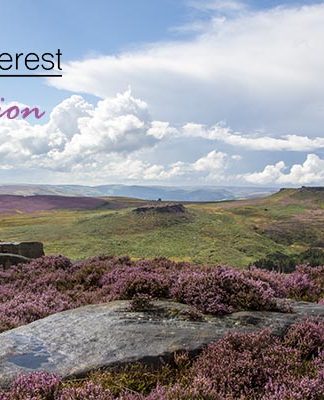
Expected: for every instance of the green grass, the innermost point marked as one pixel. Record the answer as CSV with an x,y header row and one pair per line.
x,y
233,233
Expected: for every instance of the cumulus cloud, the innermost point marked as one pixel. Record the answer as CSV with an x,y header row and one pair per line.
x,y
210,168
108,141
120,124
104,141
78,133
256,70
310,172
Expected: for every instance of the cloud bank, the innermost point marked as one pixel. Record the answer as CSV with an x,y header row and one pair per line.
x,y
240,100
116,140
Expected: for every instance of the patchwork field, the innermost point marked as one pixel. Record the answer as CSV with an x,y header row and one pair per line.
x,y
235,232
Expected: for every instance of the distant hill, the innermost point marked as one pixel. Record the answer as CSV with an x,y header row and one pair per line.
x,y
17,204
26,204
141,192
305,194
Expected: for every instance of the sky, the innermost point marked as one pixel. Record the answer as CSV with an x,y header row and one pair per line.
x,y
167,92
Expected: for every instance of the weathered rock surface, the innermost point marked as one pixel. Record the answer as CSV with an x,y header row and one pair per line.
x,y
75,342
7,260
13,253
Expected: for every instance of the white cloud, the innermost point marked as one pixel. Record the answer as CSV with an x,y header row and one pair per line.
x,y
256,141
108,141
160,129
270,174
207,169
213,163
78,133
91,143
259,70
102,140
310,172
119,124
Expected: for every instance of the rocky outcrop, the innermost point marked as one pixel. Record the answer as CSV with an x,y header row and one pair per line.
x,y
312,189
166,209
13,253
75,342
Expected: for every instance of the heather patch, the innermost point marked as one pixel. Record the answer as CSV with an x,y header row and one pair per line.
x,y
52,284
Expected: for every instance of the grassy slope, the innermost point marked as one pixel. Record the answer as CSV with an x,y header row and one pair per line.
x,y
234,233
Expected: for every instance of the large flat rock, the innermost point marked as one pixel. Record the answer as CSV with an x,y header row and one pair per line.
x,y
75,342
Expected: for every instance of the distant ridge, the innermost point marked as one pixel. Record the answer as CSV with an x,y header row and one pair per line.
x,y
312,189
307,194
306,189
217,193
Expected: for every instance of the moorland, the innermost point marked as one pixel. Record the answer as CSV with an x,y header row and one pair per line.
x,y
129,242
235,233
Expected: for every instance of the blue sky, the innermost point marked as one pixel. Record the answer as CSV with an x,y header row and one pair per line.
x,y
221,92
80,29
83,29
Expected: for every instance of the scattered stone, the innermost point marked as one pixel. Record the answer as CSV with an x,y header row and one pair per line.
x,y
75,342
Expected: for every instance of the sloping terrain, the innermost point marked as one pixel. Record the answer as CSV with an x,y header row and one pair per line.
x,y
28,204
234,232
289,217
10,204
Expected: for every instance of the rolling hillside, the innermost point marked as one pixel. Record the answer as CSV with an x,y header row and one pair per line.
x,y
10,204
29,204
231,232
